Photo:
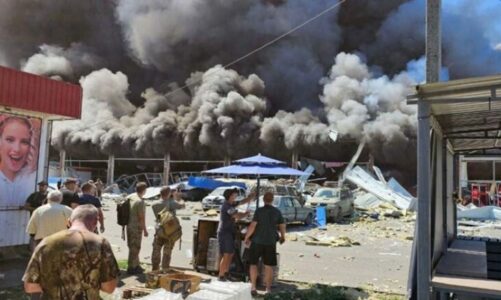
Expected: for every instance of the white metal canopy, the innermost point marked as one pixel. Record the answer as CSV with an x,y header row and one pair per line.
x,y
467,111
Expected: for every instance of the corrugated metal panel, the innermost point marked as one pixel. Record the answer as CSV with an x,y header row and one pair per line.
x,y
36,93
468,111
13,224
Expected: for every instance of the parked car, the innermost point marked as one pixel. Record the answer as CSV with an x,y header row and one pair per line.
x,y
338,202
282,190
291,209
215,199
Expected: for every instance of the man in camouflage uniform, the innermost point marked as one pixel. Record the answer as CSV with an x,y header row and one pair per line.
x,y
74,263
136,228
158,243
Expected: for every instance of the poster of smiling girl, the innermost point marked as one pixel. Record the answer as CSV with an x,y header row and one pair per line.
x,y
19,144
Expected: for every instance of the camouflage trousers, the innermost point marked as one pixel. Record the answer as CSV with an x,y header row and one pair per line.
x,y
158,245
134,237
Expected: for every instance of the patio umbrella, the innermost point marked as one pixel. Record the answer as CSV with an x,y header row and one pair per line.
x,y
257,165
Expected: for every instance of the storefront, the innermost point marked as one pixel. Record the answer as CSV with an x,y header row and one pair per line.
x,y
480,179
28,105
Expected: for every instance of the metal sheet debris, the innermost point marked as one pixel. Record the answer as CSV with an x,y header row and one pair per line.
x,y
365,181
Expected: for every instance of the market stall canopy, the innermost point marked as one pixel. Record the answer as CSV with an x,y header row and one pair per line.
x,y
259,159
257,169
258,165
467,111
30,92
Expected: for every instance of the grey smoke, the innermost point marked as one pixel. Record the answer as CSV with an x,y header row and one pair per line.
x,y
54,60
360,105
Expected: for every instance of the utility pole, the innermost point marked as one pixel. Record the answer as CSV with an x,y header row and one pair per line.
x,y
433,64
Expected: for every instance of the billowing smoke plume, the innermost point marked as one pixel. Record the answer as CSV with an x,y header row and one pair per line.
x,y
362,106
223,112
56,61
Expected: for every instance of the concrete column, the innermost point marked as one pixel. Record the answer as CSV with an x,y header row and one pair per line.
x,y
62,163
424,217
166,173
110,175
294,159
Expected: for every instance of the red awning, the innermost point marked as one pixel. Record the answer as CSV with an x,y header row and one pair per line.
x,y
36,93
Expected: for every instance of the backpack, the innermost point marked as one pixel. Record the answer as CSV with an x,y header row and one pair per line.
x,y
169,226
123,213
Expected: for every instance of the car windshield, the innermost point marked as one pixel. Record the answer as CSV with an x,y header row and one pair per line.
x,y
252,205
218,192
326,193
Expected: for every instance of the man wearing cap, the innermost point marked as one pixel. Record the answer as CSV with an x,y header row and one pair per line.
x,y
36,199
226,230
69,191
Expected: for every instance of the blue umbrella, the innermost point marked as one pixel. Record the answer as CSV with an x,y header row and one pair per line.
x,y
257,165
259,159
255,169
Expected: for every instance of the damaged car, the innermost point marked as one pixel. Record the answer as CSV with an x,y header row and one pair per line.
x,y
338,202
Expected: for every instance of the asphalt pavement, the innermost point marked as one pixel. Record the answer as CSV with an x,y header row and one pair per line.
x,y
379,262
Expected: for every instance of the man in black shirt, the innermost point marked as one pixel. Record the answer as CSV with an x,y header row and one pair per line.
x,y
263,230
36,199
88,192
69,191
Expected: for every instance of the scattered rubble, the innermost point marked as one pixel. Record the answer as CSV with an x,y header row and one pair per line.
x,y
342,241
211,213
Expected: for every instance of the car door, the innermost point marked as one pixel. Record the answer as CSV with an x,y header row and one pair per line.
x,y
300,211
289,211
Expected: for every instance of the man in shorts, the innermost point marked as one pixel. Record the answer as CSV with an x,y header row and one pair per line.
x,y
263,231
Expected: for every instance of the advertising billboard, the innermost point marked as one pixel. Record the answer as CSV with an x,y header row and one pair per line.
x,y
19,149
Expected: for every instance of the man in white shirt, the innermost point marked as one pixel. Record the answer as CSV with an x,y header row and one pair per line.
x,y
49,218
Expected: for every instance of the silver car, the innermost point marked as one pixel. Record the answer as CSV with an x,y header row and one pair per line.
x,y
291,209
338,202
215,199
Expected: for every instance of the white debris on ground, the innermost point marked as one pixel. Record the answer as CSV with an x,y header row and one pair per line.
x,y
479,222
358,229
